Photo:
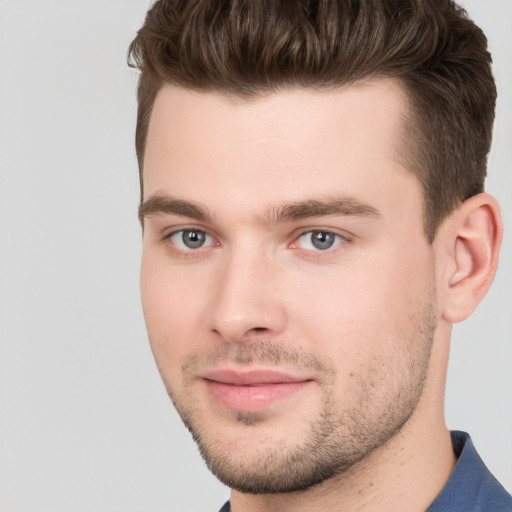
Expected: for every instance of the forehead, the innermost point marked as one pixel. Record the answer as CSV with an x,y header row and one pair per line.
x,y
279,147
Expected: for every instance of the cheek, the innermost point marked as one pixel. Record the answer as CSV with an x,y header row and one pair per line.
x,y
172,311
346,327
368,312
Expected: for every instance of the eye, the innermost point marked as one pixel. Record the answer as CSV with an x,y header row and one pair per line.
x,y
319,240
190,239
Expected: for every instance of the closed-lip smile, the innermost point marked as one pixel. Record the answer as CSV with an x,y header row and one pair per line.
x,y
252,390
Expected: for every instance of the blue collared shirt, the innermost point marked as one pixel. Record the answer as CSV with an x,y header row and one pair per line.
x,y
470,488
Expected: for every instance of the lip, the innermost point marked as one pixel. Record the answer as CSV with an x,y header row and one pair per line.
x,y
252,390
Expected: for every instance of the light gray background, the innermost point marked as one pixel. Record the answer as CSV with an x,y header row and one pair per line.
x,y
85,424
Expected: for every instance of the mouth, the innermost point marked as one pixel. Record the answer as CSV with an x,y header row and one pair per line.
x,y
253,390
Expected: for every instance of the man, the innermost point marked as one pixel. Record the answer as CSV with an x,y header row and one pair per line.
x,y
314,222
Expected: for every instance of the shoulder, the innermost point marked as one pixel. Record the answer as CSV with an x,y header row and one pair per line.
x,y
471,487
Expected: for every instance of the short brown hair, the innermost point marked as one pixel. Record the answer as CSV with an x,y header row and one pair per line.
x,y
252,47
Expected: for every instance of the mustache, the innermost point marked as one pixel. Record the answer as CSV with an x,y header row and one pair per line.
x,y
257,352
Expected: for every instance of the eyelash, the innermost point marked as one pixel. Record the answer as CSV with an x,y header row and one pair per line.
x,y
338,239
189,252
210,241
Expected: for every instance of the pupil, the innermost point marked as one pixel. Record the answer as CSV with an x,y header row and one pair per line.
x,y
193,239
322,240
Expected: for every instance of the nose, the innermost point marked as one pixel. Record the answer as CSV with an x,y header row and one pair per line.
x,y
247,303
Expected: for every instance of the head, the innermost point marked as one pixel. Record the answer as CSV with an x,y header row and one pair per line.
x,y
311,176
250,49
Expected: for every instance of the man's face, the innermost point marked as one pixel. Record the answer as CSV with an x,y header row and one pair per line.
x,y
287,284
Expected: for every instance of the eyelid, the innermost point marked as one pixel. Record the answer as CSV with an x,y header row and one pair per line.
x,y
187,251
341,237
212,240
172,230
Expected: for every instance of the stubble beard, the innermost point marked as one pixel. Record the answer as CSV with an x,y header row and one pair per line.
x,y
336,440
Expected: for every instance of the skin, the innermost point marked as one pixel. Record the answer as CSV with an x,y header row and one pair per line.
x,y
364,325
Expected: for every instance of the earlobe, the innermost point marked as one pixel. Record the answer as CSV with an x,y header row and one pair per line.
x,y
473,239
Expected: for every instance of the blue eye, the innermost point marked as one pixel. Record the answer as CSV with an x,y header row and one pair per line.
x,y
319,240
190,239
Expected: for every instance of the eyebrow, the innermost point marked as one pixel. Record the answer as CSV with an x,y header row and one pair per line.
x,y
288,212
163,204
346,206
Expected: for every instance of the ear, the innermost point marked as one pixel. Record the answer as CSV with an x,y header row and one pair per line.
x,y
471,241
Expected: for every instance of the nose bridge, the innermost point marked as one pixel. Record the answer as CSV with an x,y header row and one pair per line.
x,y
247,299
